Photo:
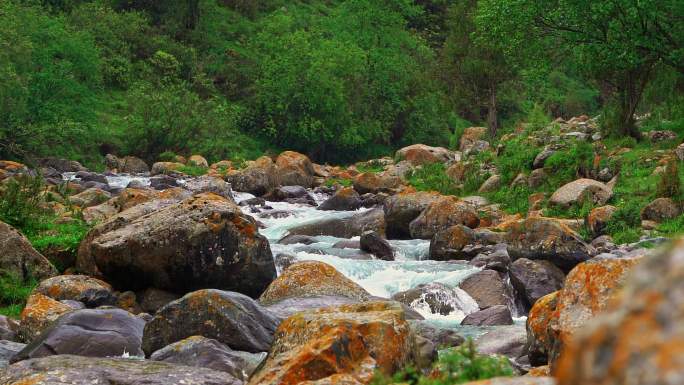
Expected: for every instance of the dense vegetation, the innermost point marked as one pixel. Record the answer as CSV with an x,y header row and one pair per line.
x,y
339,80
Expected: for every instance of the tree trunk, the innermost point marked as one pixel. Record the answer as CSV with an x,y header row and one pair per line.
x,y
492,121
630,92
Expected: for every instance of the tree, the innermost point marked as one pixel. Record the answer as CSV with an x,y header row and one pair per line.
x,y
473,69
618,43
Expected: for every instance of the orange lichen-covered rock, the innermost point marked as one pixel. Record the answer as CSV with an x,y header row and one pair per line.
x,y
12,166
598,218
349,340
640,338
294,169
133,196
420,154
309,279
39,313
441,214
588,290
370,182
91,291
539,371
540,320
404,207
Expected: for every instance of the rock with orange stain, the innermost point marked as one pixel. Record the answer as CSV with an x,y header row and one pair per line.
x,y
228,317
90,197
12,167
133,196
471,136
598,218
540,320
450,243
344,199
294,169
640,337
39,313
91,291
546,238
209,184
539,371
77,370
420,154
338,344
165,168
402,208
441,214
198,161
258,177
19,258
312,279
370,182
202,241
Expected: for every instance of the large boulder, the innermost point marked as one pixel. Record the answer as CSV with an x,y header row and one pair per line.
x,y
491,316
437,298
508,341
640,337
209,184
91,291
198,161
487,289
294,169
258,178
351,340
580,190
8,349
205,352
202,241
346,227
127,164
19,259
661,209
450,243
231,318
541,321
76,370
40,311
535,279
344,199
61,165
89,332
312,279
373,243
370,182
90,197
401,209
549,239
165,168
442,214
420,154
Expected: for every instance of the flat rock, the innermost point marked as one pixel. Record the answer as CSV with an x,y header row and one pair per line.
x,y
491,316
487,288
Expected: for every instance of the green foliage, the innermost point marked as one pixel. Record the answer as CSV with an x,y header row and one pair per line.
x,y
516,157
669,183
65,237
13,294
338,181
456,366
432,177
20,202
192,170
568,164
672,227
625,223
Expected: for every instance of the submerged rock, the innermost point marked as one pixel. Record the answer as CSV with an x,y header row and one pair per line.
x,y
437,298
346,227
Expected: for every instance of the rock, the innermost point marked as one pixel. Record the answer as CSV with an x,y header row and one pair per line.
x,y
8,328
520,180
87,176
291,194
541,320
370,182
491,316
588,290
492,183
165,168
347,227
162,182
90,291
209,184
547,238
450,243
507,341
88,332
294,169
204,352
579,190
603,244
535,279
369,200
258,178
76,370
132,165
373,243
442,214
151,300
198,161
311,279
90,197
8,349
470,137
437,298
639,337
401,209
541,158
39,313
19,258
290,306
661,135
515,381
61,165
498,260
293,239
441,337
202,241
231,318
351,340
344,199
598,218
487,289
420,154
537,178
661,209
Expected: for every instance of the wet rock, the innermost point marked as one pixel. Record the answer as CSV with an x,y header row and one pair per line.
x,y
202,241
347,244
209,184
401,209
311,279
661,209
344,199
198,161
258,178
370,182
90,197
373,243
541,321
549,239
151,300
288,307
451,243
487,288
19,258
291,194
437,298
39,313
76,370
8,349
441,337
442,214
351,340
491,316
598,218
231,318
498,259
88,332
292,239
205,352
90,291
8,328
420,154
87,176
580,190
507,341
535,279
294,169
347,227
639,337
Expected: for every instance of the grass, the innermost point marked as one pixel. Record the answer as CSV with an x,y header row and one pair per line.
x,y
344,182
192,170
371,166
13,294
432,177
64,237
455,366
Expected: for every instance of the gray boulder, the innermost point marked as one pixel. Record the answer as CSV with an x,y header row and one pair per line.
x,y
373,243
344,199
487,288
8,328
19,258
8,349
535,279
346,227
492,316
508,341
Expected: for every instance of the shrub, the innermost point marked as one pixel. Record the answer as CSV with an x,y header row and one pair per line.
x,y
516,157
13,294
20,202
669,184
432,177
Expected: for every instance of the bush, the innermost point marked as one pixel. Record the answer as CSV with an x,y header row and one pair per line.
x,y
13,294
432,177
669,184
21,201
566,165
